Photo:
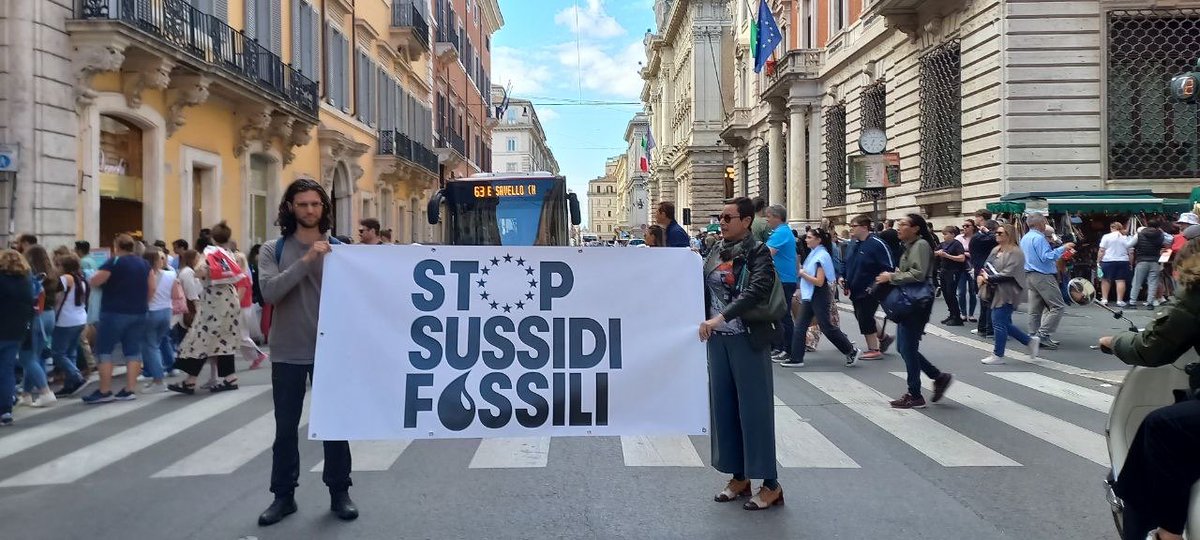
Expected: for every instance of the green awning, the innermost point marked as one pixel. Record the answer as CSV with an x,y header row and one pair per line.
x,y
1195,195
1006,207
713,227
1177,206
1105,204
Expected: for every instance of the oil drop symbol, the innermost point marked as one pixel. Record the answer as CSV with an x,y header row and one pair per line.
x,y
456,408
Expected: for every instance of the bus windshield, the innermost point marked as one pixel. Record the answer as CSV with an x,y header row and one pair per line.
x,y
508,212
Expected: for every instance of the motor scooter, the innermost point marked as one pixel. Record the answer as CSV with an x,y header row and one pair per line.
x,y
1143,390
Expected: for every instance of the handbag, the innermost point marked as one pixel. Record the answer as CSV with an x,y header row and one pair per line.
x,y
772,310
906,300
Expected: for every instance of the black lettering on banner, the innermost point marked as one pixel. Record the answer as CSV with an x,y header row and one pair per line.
x,y
549,358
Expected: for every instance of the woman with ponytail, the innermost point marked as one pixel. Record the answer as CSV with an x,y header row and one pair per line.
x,y
70,319
916,265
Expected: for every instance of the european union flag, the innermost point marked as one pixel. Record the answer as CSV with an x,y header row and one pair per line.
x,y
768,36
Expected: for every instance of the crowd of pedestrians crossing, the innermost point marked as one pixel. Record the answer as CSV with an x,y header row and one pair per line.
x,y
899,265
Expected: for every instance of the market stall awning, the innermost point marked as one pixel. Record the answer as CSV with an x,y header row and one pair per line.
x,y
1071,202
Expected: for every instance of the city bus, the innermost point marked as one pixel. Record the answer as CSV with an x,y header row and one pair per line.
x,y
506,209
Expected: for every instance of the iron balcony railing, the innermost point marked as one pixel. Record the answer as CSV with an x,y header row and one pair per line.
x,y
405,14
449,139
205,37
395,143
447,34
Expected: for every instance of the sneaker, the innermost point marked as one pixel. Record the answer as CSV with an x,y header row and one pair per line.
x,y
25,400
44,400
781,357
1152,307
174,373
1035,346
262,357
1122,304
993,360
885,343
792,363
852,358
1047,343
125,395
1105,302
6,419
940,385
142,378
70,389
974,330
907,401
97,397
154,387
871,355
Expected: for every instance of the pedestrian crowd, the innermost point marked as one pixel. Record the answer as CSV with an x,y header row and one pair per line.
x,y
768,287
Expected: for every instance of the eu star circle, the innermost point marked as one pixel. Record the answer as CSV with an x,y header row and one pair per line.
x,y
508,273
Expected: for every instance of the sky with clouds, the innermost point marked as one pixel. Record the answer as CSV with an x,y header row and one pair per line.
x,y
558,51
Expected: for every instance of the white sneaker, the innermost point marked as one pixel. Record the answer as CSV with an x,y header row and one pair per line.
x,y
1122,304
142,378
1104,302
993,360
154,388
1035,346
974,330
25,400
44,400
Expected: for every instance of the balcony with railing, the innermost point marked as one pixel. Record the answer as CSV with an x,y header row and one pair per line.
x,y
162,41
446,48
410,29
406,159
736,130
795,65
451,149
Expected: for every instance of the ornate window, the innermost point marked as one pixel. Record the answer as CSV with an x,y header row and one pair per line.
x,y
1150,136
941,117
835,155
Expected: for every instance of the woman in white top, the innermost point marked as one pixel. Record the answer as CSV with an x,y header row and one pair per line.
x,y
1114,262
158,319
70,319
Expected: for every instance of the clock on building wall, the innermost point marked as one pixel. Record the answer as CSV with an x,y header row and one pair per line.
x,y
872,141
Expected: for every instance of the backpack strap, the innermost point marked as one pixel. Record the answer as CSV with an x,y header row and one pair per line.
x,y
279,247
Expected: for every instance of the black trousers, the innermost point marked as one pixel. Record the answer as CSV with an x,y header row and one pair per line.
x,y
1158,475
818,308
950,293
288,384
192,366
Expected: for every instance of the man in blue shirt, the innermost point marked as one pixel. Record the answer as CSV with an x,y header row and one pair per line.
x,y
1041,273
665,216
782,244
869,257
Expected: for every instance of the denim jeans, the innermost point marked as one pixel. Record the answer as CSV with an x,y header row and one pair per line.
x,y
785,322
1003,326
8,374
31,359
158,324
1145,272
124,329
167,348
968,294
65,346
908,342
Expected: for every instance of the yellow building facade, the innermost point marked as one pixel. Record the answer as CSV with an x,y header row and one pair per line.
x,y
190,114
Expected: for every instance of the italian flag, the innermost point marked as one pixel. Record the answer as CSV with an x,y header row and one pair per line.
x,y
647,146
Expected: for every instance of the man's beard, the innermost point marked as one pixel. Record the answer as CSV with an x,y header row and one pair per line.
x,y
308,224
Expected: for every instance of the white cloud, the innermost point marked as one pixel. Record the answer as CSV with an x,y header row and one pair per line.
x,y
527,74
593,20
546,114
612,73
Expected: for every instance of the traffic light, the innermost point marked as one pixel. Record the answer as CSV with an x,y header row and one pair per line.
x,y
1184,87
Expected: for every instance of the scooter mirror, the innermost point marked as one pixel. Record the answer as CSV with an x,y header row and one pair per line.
x,y
1081,291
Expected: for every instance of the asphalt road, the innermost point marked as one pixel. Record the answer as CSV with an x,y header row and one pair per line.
x,y
1014,452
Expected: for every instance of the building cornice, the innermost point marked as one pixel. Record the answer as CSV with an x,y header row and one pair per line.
x,y
492,17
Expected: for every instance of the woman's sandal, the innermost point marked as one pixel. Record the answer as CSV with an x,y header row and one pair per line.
x,y
224,385
182,388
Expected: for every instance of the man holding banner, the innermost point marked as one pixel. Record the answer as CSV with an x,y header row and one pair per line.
x,y
290,271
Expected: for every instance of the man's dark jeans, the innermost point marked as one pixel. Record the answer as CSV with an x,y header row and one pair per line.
x,y
785,322
288,384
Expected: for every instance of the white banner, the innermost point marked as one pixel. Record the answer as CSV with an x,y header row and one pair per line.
x,y
457,341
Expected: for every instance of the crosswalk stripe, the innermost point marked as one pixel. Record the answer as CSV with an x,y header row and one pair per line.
x,y
924,434
92,458
660,451
511,453
1070,437
231,452
29,437
1079,395
372,455
799,444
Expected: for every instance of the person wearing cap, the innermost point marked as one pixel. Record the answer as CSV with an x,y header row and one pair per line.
x,y
1188,219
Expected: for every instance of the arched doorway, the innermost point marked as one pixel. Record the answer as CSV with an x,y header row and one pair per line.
x,y
120,178
340,193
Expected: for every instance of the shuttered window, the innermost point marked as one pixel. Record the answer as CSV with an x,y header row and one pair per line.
x,y
337,69
263,23
364,104
305,45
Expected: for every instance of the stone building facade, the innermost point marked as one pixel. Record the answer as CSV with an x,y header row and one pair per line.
x,y
686,71
518,140
633,181
604,211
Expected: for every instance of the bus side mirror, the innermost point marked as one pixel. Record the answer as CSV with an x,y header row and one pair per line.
x,y
576,213
434,209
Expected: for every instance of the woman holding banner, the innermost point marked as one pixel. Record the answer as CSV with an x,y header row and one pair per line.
x,y
738,277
